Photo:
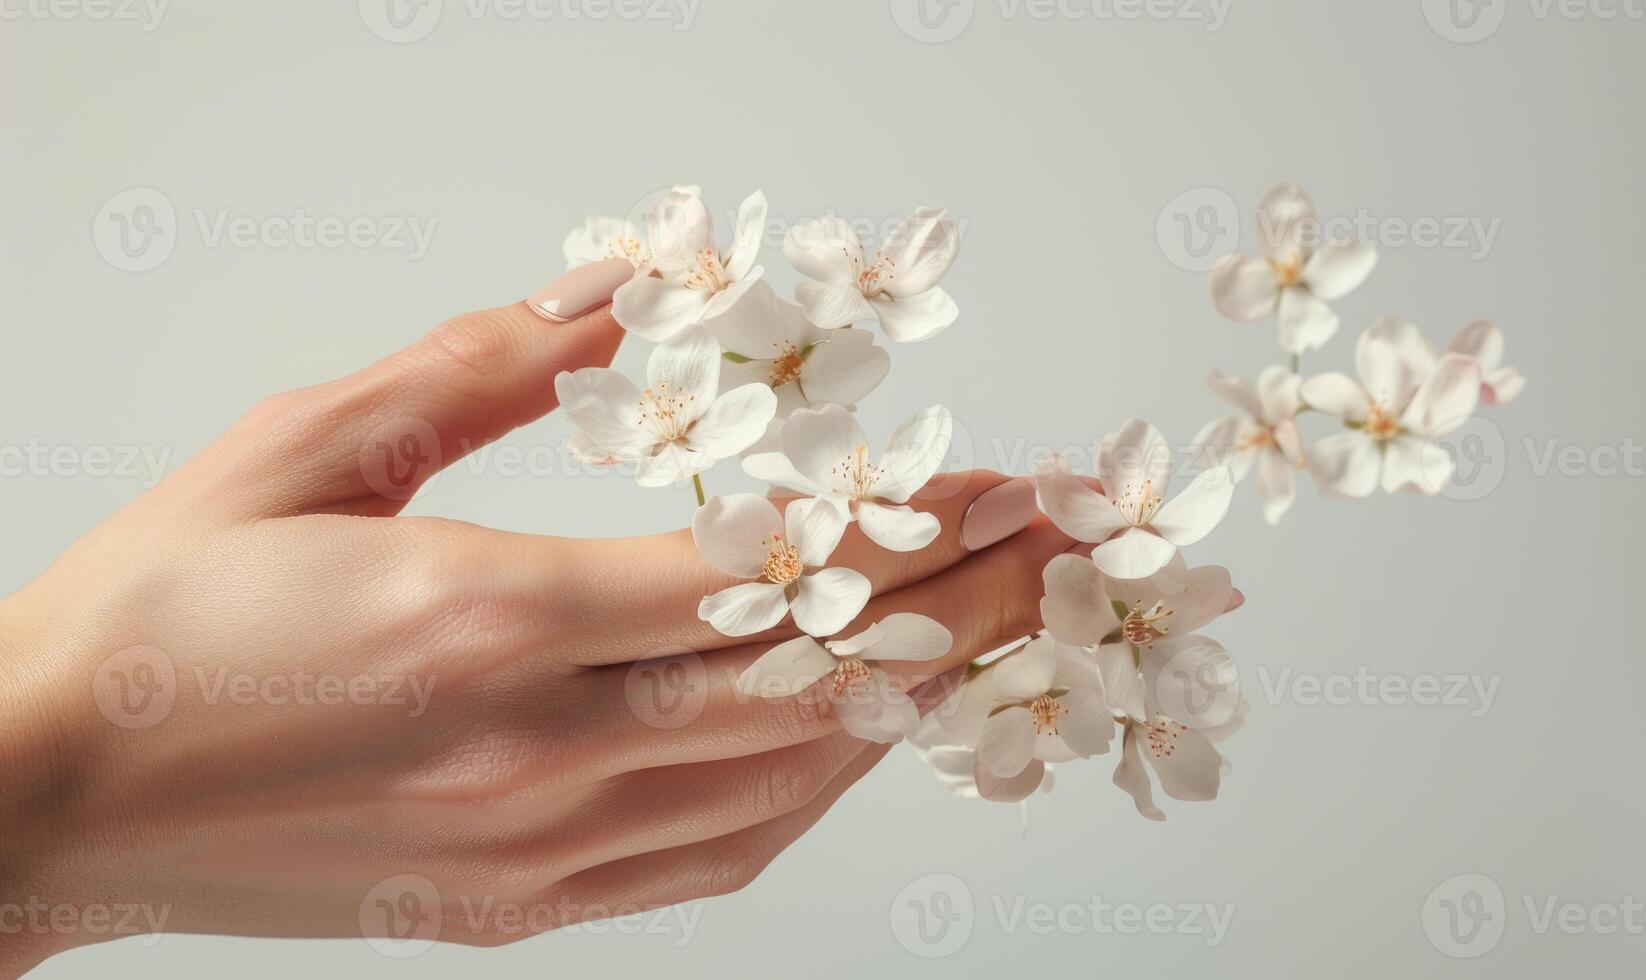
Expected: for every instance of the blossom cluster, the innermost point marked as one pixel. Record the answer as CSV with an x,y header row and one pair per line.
x,y
1122,664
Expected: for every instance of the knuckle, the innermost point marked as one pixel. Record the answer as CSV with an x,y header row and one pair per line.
x,y
480,343
785,784
733,869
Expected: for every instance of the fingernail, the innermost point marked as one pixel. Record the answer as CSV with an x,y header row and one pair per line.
x,y
1237,599
580,290
998,514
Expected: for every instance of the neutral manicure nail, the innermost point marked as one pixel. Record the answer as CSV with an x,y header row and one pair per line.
x,y
580,290
998,514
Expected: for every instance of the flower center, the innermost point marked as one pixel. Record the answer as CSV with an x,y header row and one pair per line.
x,y
1380,424
710,274
786,366
782,562
1288,272
858,473
1045,710
872,279
1142,627
626,247
849,673
1139,503
1257,440
1160,735
663,408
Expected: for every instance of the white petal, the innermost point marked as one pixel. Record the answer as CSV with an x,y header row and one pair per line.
x,y
921,249
1088,727
1447,397
1236,391
1412,464
1007,744
1392,358
733,422
900,636
732,532
829,600
751,225
745,609
1027,673
776,469
829,305
684,372
1306,322
593,242
1122,684
1193,679
786,669
1223,442
913,453
1192,514
1338,395
601,402
1078,511
671,464
1285,222
1276,485
1278,394
1011,790
656,309
678,227
1338,268
1188,766
824,444
877,712
897,528
1244,288
1347,464
826,250
1076,609
844,367
753,327
920,316
1502,386
814,528
1136,553
724,302
1131,776
1135,454
1481,340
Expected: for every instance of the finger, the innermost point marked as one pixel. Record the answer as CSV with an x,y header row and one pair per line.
x,y
647,590
364,444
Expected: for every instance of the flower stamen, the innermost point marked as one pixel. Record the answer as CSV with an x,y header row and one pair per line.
x,y
849,673
1142,627
663,408
858,473
710,274
782,562
1160,734
1139,503
1046,711
786,366
1380,424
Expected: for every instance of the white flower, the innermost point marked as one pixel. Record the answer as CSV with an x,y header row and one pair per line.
x,y
605,238
676,427
743,535
686,278
1136,530
1292,277
1403,401
1482,341
869,702
1188,766
1048,708
899,288
1266,435
769,340
826,455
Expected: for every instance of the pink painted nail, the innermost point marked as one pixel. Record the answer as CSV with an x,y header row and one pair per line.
x,y
998,514
581,290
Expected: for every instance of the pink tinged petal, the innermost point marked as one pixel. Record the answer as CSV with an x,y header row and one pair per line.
x,y
1502,386
878,711
1078,511
1194,596
1076,609
1135,454
827,250
1481,340
1278,394
899,637
1007,744
813,527
922,248
1289,442
671,464
1192,514
732,533
751,225
1306,322
1087,728
828,600
1131,776
725,301
1223,442
1415,465
1244,288
1122,685
786,669
1193,679
1337,395
585,450
1447,397
1236,391
844,368
601,402
823,444
913,453
1027,673
897,528
829,305
1338,268
1012,790
1276,485
1285,222
734,422
678,227
656,309
1392,358
1347,464
775,468
1136,553
1188,767
920,316
743,610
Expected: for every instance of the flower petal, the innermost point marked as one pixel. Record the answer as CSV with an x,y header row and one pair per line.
x,y
1392,359
1276,485
824,444
1244,288
829,305
1338,395
786,669
1135,553
1122,684
656,309
732,532
814,528
1338,268
1502,386
900,636
1236,391
1007,743
1192,514
1447,397
1277,394
1078,511
1131,776
1224,442
1188,766
1135,454
671,464
1306,322
743,610
1193,679
878,711
751,226
826,249
734,421
913,453
601,402
1481,340
1012,790
1088,727
920,316
897,528
1027,673
1285,222
593,242
1347,464
829,600
684,372
753,327
677,229
844,367
775,468
921,249
1076,609
1412,464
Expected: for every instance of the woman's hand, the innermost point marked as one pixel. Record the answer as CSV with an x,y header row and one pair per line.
x,y
256,702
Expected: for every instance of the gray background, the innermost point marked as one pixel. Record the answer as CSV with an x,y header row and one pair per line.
x,y
1059,143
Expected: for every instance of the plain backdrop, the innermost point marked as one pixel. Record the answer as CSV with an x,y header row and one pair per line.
x,y
1094,161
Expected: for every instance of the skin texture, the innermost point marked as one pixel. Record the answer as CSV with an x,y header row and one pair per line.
x,y
534,773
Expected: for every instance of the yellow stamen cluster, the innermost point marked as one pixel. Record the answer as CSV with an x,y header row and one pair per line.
x,y
872,279
626,247
1046,711
1380,424
710,274
1138,504
782,562
1142,627
663,408
860,474
849,673
1289,272
786,366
